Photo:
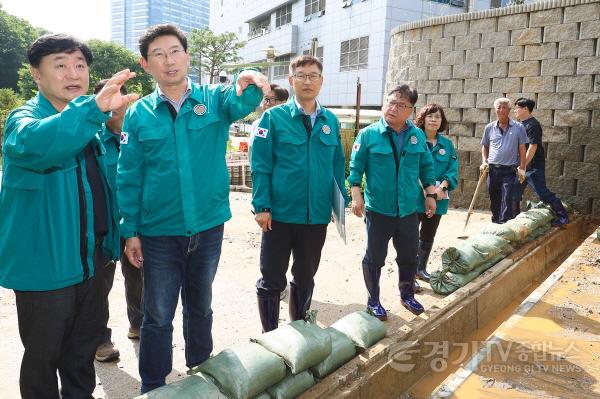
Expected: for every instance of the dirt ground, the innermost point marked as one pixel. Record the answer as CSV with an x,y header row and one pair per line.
x,y
339,290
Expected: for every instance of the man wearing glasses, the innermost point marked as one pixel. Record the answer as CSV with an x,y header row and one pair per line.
x,y
297,158
278,96
173,193
393,155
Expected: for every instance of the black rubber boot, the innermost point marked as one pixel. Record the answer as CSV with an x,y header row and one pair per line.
x,y
562,217
299,302
268,309
422,259
407,291
516,208
371,274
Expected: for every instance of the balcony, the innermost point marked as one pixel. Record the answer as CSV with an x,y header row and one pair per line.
x,y
284,39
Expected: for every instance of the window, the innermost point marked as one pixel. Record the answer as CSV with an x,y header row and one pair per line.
x,y
313,7
283,15
354,54
456,3
319,53
260,27
281,71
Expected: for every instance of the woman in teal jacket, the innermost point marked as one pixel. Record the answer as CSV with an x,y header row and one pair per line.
x,y
432,120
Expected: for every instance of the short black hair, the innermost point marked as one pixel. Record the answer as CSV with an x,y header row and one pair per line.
x,y
103,82
161,30
281,93
56,43
525,102
303,60
407,92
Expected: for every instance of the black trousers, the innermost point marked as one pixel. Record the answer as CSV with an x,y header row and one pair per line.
x,y
429,227
501,182
134,290
59,330
304,242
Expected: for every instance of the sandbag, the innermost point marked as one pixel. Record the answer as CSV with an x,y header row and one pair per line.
x,y
540,216
342,350
301,344
244,371
195,386
263,395
364,329
292,385
501,230
472,253
445,282
598,234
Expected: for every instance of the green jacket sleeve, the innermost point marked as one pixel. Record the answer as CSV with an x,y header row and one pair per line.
x,y
262,164
358,160
339,167
451,173
130,171
234,107
426,169
39,144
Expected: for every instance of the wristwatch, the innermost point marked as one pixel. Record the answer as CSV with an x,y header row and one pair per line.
x,y
434,196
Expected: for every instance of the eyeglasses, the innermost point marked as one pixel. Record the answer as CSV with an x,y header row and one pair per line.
x,y
269,100
313,77
174,53
399,105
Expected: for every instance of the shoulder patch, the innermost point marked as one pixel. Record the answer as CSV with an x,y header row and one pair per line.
x,y
262,132
356,147
124,138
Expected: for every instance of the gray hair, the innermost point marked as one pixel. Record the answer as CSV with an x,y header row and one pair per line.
x,y
502,100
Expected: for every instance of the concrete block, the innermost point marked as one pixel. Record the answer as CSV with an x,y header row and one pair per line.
x,y
495,39
554,101
564,152
486,100
538,84
432,32
451,86
523,68
561,185
409,61
582,170
596,207
553,167
584,135
554,134
493,70
462,130
552,16
441,99
429,59
456,28
467,42
586,189
476,115
589,30
580,204
463,156
505,85
453,114
442,44
419,73
511,22
596,119
464,71
521,37
477,85
542,51
588,65
561,33
479,128
508,53
422,46
413,35
589,101
483,25
465,100
478,56
440,72
544,116
571,118
574,84
576,49
452,57
469,144
558,67
427,86
582,12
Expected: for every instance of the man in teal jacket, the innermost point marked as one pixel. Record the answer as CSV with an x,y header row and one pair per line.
x,y
57,226
394,157
173,194
297,162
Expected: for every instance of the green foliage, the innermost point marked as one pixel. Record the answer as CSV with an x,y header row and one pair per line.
x,y
515,2
209,51
9,100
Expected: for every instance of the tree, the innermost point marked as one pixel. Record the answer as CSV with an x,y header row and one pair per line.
x,y
9,100
209,51
515,2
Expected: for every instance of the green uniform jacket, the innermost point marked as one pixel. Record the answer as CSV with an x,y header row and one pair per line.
x,y
372,154
445,162
294,174
40,240
172,178
111,148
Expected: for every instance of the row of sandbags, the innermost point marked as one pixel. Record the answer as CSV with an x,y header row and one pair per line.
x,y
464,262
279,364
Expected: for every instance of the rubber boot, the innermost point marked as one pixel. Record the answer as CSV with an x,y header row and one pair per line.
x,y
268,309
422,259
417,287
299,302
407,291
371,275
562,217
516,208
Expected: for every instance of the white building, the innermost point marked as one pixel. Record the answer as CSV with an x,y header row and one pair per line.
x,y
351,37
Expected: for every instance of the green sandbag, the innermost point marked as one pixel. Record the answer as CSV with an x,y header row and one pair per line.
x,y
598,234
364,329
540,216
263,395
195,386
501,230
244,371
301,344
472,253
445,282
292,385
342,350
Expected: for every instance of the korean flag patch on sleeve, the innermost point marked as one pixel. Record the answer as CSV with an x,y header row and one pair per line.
x,y
356,147
262,132
124,138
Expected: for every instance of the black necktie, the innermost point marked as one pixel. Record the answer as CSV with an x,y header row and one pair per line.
x,y
307,124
